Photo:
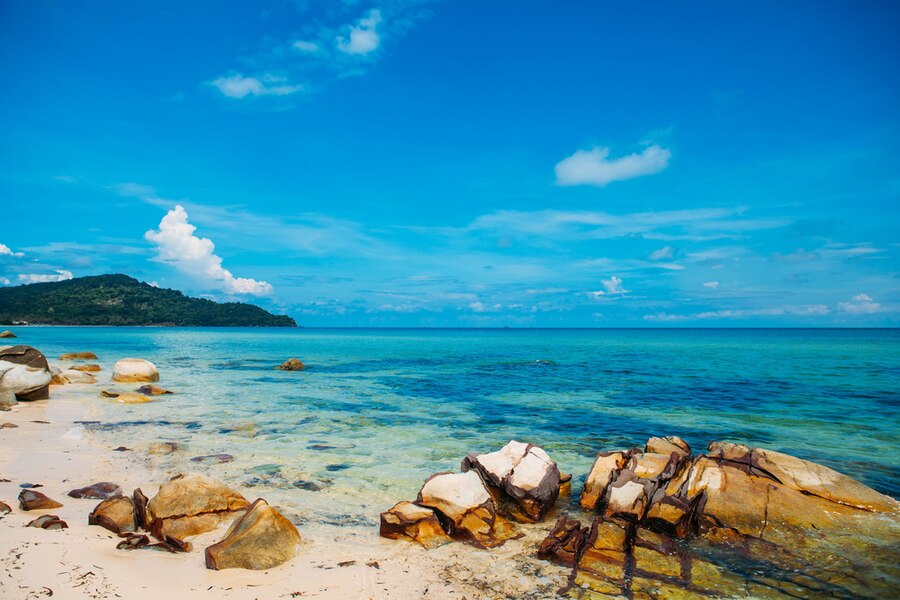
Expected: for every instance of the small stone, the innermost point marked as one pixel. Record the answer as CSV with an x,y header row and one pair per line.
x,y
141,516
291,364
162,448
51,522
31,500
216,458
8,425
97,491
153,390
564,543
109,394
71,376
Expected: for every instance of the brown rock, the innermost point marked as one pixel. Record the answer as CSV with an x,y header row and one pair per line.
x,y
602,565
32,500
78,356
51,522
7,334
415,523
655,467
97,491
291,364
4,508
109,394
261,538
7,425
141,516
605,469
153,390
90,368
564,543
668,445
728,451
628,497
133,398
187,526
191,504
115,514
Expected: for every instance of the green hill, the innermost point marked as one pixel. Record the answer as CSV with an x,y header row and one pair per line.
x,y
123,300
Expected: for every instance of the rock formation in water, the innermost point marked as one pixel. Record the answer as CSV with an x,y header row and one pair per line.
x,y
129,370
291,364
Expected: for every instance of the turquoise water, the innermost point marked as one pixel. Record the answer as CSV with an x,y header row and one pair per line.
x,y
379,410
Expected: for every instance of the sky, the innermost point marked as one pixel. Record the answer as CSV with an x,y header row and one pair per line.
x,y
496,164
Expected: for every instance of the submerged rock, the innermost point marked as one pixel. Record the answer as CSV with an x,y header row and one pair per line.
x,y
89,368
97,491
416,523
78,356
115,514
132,398
162,448
24,375
213,458
192,504
153,390
32,500
291,364
260,538
135,370
51,522
74,376
524,472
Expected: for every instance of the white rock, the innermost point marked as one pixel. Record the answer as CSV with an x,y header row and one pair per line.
x,y
73,376
22,379
135,369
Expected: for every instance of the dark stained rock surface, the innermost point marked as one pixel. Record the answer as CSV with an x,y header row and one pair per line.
x,y
32,500
141,516
412,522
260,538
97,491
51,522
564,543
115,514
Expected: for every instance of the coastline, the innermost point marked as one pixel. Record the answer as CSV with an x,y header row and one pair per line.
x,y
83,562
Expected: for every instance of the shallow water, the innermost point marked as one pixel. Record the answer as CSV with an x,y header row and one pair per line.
x,y
379,410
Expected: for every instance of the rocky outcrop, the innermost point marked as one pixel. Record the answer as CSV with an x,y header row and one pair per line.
x,y
97,491
412,522
78,356
525,473
260,538
130,370
24,374
32,500
116,514
7,334
192,504
291,364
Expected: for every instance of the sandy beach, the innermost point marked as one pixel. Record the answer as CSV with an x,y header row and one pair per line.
x,y
49,448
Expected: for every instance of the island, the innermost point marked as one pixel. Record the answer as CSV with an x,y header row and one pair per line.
x,y
121,300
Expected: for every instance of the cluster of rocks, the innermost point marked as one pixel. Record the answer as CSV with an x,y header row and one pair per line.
x,y
516,483
730,521
259,536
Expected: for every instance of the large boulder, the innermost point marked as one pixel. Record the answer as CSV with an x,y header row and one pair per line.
x,y
192,504
524,472
24,373
116,514
130,370
260,538
465,507
416,523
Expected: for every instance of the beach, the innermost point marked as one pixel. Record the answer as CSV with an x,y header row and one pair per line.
x,y
342,450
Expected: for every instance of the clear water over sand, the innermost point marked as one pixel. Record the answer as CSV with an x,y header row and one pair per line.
x,y
377,411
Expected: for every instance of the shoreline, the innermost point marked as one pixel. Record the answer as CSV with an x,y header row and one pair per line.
x,y
83,562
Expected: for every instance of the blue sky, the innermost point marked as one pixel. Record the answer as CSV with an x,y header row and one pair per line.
x,y
462,163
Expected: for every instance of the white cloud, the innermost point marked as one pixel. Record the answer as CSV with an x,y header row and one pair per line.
x,y
803,310
593,167
860,304
611,287
6,251
238,86
481,308
305,46
363,37
664,253
61,275
177,244
711,284
4,281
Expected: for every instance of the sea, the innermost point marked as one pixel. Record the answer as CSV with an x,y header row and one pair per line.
x,y
377,411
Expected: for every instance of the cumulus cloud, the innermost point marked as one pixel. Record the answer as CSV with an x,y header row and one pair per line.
x,y
238,86
480,307
362,37
6,251
594,167
860,304
177,244
305,46
611,287
60,275
664,253
711,284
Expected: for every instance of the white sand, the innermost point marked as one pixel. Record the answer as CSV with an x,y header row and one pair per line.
x,y
83,562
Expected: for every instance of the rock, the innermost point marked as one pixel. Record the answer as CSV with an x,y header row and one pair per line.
x,y
291,364
565,485
213,458
162,448
4,508
627,497
97,491
78,356
654,467
115,514
56,376
24,374
8,425
261,538
71,376
466,507
524,472
727,451
152,390
51,522
133,398
565,542
605,469
135,369
89,368
667,445
7,334
415,523
191,504
602,565
141,516
109,394
32,500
